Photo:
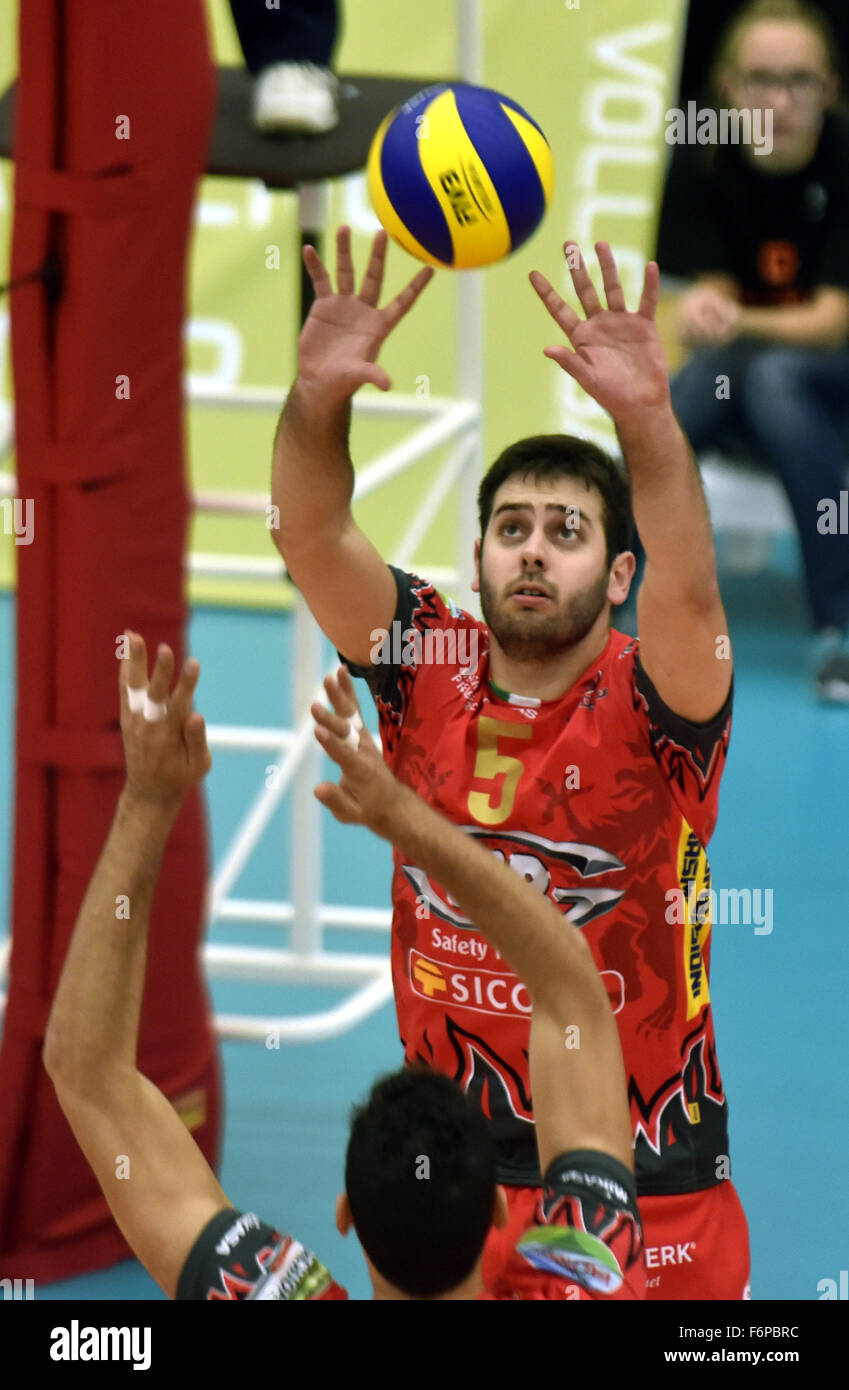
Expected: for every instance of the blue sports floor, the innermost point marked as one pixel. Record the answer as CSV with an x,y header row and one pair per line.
x,y
780,1000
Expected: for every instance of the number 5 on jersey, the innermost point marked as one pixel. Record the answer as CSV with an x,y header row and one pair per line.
x,y
490,764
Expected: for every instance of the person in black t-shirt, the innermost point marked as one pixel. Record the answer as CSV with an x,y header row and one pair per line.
x,y
765,236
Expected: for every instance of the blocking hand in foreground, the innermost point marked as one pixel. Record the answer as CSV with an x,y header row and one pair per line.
x,y
165,746
367,791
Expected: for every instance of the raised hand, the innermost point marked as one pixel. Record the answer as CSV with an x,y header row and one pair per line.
x,y
364,794
165,746
344,331
618,357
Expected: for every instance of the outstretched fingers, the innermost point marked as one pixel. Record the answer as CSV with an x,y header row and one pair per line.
x,y
584,288
373,278
132,671
613,290
339,803
560,311
651,291
328,723
181,700
344,263
317,271
337,729
571,362
341,692
403,302
159,685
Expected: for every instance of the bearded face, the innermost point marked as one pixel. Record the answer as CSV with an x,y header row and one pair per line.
x,y
543,571
539,623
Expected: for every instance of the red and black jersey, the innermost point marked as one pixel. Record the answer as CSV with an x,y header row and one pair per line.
x,y
604,800
585,1242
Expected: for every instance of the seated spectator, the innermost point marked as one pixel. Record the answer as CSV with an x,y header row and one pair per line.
x,y
764,234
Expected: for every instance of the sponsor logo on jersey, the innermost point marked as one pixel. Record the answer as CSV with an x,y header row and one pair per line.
x,y
460,944
533,857
432,977
694,877
658,1256
572,1254
483,991
429,976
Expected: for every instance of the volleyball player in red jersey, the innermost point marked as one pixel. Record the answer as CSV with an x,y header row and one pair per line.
x,y
588,761
420,1172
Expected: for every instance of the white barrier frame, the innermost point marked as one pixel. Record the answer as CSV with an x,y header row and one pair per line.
x,y
298,765
439,422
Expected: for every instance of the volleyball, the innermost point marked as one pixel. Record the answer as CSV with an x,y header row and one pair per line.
x,y
460,176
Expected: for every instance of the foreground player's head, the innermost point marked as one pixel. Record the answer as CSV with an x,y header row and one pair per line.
x,y
780,56
420,1186
555,516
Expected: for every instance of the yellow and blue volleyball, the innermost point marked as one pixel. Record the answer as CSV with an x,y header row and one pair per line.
x,y
460,176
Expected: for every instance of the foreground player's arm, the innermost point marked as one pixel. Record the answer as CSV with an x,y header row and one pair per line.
x,y
349,589
576,1057
157,1182
618,359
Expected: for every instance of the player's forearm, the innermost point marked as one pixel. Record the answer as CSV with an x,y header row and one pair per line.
x,y
797,325
583,1061
721,282
312,479
669,503
549,955
92,1033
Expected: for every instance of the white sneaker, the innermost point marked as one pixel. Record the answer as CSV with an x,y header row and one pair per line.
x,y
831,680
296,96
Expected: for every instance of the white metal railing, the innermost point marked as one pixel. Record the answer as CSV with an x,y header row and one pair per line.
x,y
438,422
297,767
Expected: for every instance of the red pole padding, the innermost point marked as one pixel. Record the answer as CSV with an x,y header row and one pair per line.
x,y
114,110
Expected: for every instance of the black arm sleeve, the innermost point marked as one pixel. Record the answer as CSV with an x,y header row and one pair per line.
x,y
699,741
239,1257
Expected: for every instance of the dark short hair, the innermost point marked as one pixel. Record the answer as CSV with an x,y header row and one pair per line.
x,y
420,1179
546,456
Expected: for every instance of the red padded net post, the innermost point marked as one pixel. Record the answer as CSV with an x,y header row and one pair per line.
x,y
114,111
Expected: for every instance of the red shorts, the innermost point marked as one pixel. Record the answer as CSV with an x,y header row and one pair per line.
x,y
696,1244
507,1274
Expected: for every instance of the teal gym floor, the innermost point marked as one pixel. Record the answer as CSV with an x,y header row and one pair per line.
x,y
779,999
